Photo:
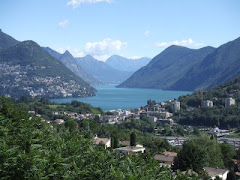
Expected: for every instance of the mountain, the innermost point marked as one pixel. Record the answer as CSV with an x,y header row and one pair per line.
x,y
53,53
70,62
27,70
6,40
167,68
102,71
220,66
124,64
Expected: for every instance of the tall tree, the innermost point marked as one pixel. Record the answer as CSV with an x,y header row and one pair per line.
x,y
133,139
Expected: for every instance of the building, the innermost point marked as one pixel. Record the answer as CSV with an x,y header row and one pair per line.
x,y
166,159
214,172
166,121
105,141
176,106
174,141
153,119
129,150
59,121
229,102
208,103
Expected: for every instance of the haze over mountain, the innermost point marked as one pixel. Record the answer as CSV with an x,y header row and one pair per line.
x,y
125,64
27,70
220,66
167,67
180,68
102,71
69,61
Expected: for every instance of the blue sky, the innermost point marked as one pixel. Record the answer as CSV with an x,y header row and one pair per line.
x,y
131,28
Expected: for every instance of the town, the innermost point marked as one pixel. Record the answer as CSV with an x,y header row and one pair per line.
x,y
26,82
161,115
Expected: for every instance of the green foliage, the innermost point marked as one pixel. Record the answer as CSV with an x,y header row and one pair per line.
x,y
228,152
32,149
231,176
197,153
71,125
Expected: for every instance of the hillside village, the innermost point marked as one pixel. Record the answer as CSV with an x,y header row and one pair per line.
x,y
20,80
158,113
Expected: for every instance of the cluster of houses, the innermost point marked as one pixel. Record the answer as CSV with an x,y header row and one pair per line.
x,y
155,113
165,159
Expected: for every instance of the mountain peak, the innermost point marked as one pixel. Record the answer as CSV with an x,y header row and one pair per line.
x,y
6,40
67,53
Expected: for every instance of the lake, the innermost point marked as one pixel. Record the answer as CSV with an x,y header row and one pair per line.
x,y
109,97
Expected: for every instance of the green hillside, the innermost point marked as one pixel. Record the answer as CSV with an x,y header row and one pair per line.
x,y
219,115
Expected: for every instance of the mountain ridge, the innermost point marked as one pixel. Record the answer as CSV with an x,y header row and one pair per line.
x,y
27,70
70,62
102,71
167,67
125,64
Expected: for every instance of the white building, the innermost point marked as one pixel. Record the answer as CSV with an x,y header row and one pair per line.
x,y
176,106
214,172
105,141
229,102
153,118
129,150
208,103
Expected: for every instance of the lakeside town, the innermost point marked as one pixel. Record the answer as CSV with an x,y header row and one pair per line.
x,y
161,114
18,80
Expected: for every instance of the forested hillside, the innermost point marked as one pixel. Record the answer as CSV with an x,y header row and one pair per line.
x,y
218,115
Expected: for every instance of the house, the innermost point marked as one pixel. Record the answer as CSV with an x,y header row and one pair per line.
x,y
176,106
127,143
166,121
229,102
168,153
105,141
208,103
59,121
153,119
213,172
129,150
166,159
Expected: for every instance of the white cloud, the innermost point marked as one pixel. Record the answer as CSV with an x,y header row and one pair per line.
x,y
63,23
103,47
100,50
76,3
147,33
187,42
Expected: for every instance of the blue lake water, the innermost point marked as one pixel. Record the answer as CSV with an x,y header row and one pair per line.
x,y
109,97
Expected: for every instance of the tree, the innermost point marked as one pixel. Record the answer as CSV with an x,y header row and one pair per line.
x,y
71,125
114,142
231,176
228,152
197,153
133,139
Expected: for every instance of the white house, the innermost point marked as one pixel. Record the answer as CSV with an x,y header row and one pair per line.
x,y
129,150
213,172
105,141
